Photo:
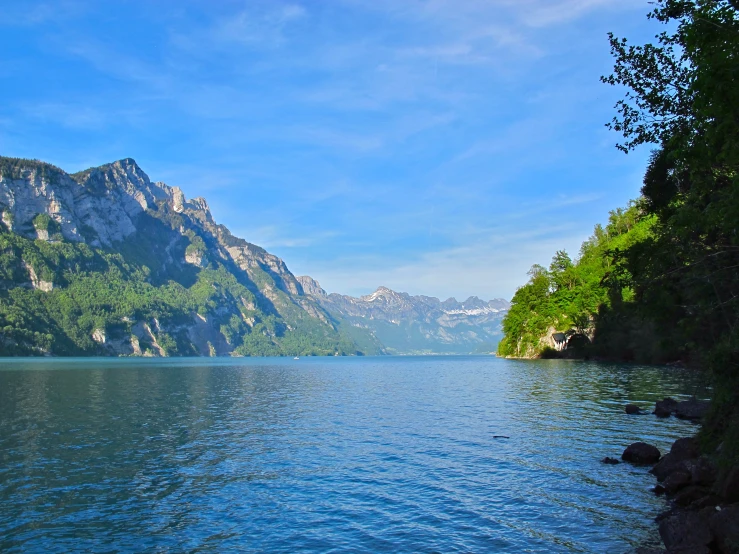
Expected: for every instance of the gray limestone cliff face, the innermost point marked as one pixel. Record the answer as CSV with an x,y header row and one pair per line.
x,y
198,259
97,206
250,257
27,193
310,286
100,206
36,282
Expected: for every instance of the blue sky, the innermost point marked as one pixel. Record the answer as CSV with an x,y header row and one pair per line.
x,y
437,147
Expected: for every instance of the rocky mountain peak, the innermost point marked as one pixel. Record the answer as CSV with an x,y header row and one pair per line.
x,y
473,302
117,206
412,324
310,286
200,203
385,295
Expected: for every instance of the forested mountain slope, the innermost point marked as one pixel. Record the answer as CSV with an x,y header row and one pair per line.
x,y
106,262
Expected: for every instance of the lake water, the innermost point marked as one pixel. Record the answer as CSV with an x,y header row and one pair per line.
x,y
328,454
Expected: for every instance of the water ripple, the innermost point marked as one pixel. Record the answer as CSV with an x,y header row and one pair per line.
x,y
328,455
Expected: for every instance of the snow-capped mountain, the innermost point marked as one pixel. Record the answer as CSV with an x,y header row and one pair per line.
x,y
406,324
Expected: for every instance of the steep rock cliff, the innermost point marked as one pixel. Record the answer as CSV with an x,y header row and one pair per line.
x,y
104,253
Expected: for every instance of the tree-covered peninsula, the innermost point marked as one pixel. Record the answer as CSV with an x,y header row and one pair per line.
x,y
571,297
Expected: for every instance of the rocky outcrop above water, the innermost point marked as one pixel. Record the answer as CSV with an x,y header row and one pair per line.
x,y
407,324
703,495
705,515
693,408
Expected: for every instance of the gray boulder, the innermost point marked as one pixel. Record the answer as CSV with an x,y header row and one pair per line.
x,y
676,481
702,471
684,530
682,450
641,453
685,448
725,528
665,407
695,496
692,409
668,464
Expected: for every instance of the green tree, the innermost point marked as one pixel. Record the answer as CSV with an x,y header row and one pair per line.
x,y
683,97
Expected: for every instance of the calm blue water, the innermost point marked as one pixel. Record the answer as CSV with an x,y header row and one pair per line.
x,y
327,454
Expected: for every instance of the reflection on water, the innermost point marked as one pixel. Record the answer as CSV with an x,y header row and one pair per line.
x,y
369,454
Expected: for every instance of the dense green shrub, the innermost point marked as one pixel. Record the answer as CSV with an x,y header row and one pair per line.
x,y
96,288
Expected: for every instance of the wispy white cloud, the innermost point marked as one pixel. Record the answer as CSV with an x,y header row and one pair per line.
x,y
115,63
273,236
478,13
486,268
255,26
263,27
24,14
553,201
546,13
70,115
336,138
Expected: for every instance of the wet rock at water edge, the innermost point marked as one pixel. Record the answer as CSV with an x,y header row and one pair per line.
x,y
632,409
610,461
695,497
665,407
702,471
725,528
687,530
709,501
685,448
682,450
692,409
641,453
668,464
676,481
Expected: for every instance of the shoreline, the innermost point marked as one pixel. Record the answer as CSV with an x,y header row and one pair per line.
x,y
703,516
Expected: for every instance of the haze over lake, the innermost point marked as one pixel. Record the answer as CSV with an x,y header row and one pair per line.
x,y
328,454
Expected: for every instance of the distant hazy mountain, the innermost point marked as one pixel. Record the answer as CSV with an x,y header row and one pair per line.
x,y
405,324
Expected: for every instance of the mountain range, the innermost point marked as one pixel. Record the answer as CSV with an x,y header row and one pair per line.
x,y
107,262
405,324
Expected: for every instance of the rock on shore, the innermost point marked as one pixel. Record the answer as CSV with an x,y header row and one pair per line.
x,y
692,409
641,453
703,518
